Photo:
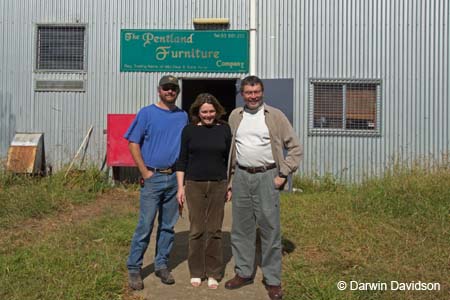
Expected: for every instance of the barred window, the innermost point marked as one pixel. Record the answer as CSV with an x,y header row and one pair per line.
x,y
61,48
344,107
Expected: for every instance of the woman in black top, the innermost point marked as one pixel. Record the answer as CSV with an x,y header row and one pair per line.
x,y
202,182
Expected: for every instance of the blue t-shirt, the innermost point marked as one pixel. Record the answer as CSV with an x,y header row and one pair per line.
x,y
158,132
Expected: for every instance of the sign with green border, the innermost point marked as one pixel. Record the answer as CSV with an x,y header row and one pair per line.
x,y
225,51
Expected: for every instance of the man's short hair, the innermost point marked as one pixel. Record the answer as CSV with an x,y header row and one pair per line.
x,y
251,80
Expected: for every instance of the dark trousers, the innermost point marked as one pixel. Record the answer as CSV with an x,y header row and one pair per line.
x,y
206,201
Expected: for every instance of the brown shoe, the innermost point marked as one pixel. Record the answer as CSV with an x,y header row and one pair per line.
x,y
237,282
274,291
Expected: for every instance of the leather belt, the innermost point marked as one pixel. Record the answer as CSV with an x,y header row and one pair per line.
x,y
164,171
261,169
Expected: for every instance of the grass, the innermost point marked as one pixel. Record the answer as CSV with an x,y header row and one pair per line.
x,y
392,228
75,262
72,262
23,197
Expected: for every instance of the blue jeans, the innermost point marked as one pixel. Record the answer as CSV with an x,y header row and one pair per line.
x,y
157,195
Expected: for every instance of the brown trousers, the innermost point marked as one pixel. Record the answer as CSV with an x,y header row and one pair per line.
x,y
206,201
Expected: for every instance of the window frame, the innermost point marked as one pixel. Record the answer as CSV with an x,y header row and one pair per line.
x,y
85,46
343,131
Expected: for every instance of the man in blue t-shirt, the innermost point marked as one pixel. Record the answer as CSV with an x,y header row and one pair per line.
x,y
154,142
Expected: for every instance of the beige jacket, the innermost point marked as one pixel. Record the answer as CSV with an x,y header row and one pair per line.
x,y
282,136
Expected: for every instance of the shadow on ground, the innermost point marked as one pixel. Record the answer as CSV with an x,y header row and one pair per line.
x,y
180,248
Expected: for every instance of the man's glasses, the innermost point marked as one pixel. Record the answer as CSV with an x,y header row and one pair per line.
x,y
249,93
166,88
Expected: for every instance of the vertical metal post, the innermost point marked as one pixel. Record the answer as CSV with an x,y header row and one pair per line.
x,y
253,26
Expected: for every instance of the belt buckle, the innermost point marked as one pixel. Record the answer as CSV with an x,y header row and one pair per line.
x,y
166,171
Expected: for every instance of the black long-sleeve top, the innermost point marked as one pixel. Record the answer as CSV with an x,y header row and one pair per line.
x,y
204,152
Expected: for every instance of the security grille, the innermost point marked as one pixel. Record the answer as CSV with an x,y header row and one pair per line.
x,y
344,107
61,47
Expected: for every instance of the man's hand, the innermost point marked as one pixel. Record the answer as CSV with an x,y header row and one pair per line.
x,y
147,174
135,150
279,182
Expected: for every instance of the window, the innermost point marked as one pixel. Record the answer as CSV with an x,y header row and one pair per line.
x,y
344,107
61,48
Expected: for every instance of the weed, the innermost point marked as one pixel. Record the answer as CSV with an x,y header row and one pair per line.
x,y
24,196
407,192
391,228
317,184
76,262
394,227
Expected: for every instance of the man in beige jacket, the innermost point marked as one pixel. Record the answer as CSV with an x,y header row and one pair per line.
x,y
258,170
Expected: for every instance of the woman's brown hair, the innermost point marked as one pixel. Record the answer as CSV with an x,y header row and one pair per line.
x,y
199,101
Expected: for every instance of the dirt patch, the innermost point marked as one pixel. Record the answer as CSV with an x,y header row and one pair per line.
x,y
31,229
314,254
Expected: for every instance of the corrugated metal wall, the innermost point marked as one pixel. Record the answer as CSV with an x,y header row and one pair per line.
x,y
405,43
66,117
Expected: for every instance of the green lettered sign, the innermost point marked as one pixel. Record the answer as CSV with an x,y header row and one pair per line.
x,y
183,51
